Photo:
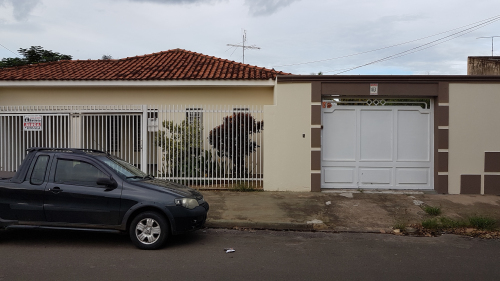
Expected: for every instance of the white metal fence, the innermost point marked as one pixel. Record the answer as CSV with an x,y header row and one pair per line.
x,y
212,146
14,140
197,145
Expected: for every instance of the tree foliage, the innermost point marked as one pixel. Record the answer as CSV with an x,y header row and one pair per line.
x,y
232,139
183,153
32,55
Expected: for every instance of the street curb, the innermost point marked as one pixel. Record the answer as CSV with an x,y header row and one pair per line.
x,y
259,225
291,226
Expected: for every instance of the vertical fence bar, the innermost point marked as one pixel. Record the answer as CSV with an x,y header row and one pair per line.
x,y
16,142
84,131
2,146
9,144
147,140
127,139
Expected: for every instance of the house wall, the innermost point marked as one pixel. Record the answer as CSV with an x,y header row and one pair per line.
x,y
287,139
136,95
474,138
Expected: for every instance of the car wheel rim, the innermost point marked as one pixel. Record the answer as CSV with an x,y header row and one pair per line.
x,y
148,231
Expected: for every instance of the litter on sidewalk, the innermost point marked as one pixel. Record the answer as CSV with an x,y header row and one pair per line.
x,y
229,250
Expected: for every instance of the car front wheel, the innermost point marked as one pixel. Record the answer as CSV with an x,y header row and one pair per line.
x,y
149,231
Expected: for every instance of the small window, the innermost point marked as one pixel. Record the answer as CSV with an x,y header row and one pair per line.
x,y
194,115
38,174
77,172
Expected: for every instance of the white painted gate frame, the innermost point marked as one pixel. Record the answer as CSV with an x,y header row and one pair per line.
x,y
356,175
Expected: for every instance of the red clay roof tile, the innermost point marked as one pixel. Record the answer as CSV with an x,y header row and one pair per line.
x,y
176,64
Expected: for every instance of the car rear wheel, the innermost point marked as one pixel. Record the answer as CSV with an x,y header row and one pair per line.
x,y
149,231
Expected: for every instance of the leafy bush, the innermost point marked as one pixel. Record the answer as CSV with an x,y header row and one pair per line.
x,y
182,151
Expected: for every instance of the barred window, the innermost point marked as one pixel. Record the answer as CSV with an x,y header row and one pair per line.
x,y
194,115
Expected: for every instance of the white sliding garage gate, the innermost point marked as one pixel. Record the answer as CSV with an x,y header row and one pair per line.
x,y
376,143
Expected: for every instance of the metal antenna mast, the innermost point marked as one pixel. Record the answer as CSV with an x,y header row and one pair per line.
x,y
243,46
492,37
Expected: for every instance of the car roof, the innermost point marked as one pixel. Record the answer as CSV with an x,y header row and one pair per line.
x,y
71,150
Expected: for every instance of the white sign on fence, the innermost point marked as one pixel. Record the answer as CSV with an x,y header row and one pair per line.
x,y
373,89
32,123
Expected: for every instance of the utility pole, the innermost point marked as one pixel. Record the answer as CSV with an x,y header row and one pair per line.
x,y
492,37
243,46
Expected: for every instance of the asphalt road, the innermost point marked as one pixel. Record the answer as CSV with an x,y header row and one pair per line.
x,y
259,255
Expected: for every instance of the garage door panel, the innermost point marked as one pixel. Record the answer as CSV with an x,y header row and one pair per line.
x,y
375,176
417,176
340,147
376,135
413,136
339,175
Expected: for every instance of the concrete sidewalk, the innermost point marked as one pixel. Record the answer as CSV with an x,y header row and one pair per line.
x,y
342,211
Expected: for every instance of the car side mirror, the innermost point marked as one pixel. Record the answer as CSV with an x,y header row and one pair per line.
x,y
107,182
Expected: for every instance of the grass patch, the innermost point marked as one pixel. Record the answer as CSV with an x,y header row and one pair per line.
x,y
478,222
431,224
449,223
485,223
241,187
433,211
399,225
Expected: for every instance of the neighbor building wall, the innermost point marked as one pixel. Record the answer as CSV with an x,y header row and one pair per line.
x,y
288,139
483,65
474,138
135,95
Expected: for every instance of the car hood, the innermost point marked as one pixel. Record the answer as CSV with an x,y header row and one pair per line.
x,y
172,187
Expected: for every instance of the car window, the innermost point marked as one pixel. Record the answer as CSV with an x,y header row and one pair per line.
x,y
38,174
122,168
77,172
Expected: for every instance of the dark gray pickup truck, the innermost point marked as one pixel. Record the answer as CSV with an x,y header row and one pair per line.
x,y
92,190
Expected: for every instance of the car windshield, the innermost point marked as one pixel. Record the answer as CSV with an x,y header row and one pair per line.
x,y
123,168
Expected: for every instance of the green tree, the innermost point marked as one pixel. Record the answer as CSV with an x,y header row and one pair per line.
x,y
232,139
32,55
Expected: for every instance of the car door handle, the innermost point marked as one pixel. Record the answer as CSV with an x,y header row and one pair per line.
x,y
55,190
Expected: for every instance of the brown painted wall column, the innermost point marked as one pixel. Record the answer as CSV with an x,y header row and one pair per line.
x,y
441,138
315,137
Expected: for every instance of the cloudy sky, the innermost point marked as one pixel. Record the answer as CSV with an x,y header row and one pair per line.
x,y
297,36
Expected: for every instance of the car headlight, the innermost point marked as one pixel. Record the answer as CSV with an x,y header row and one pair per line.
x,y
188,203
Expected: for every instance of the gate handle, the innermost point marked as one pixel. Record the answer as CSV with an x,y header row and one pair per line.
x,y
55,190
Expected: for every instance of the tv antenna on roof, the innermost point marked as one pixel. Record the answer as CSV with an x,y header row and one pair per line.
x,y
243,46
492,37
